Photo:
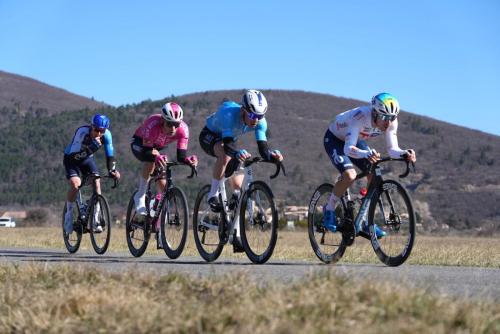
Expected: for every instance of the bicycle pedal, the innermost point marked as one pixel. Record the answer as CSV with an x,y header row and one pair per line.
x,y
364,234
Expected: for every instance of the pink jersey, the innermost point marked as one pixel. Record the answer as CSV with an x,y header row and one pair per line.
x,y
153,134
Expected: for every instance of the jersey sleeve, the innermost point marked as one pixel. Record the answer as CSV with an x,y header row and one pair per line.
x,y
183,137
391,141
260,130
350,149
108,144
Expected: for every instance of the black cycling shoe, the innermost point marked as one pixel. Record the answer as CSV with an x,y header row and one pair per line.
x,y
237,246
214,204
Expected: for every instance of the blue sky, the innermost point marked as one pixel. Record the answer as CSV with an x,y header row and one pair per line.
x,y
440,58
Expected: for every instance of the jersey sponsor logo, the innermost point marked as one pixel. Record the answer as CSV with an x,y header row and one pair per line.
x,y
341,125
337,158
81,155
358,115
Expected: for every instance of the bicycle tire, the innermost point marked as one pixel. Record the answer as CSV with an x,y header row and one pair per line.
x,y
175,196
258,224
334,248
200,230
99,246
394,248
72,241
131,227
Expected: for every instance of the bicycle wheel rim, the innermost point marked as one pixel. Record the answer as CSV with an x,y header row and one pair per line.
x,y
399,223
206,228
72,240
258,222
328,246
100,240
174,223
137,234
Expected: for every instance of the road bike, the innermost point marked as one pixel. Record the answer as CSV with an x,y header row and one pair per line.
x,y
386,204
166,216
254,210
89,216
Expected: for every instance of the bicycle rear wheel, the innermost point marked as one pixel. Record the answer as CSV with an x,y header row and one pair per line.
x,y
137,233
392,211
206,227
72,240
99,217
174,223
258,222
328,246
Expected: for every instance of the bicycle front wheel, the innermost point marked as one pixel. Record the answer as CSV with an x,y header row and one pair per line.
x,y
100,229
392,211
174,223
328,246
137,232
258,222
72,240
206,227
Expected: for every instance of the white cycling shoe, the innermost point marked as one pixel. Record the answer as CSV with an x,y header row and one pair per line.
x,y
140,207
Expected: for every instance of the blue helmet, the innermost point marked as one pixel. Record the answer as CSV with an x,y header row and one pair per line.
x,y
100,121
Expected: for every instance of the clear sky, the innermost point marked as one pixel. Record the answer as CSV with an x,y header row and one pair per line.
x,y
440,58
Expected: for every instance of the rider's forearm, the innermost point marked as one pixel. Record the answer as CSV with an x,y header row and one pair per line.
x,y
264,150
356,153
181,155
111,163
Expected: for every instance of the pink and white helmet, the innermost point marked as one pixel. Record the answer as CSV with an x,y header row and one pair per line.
x,y
172,112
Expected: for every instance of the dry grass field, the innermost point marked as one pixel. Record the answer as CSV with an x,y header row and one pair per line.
x,y
456,251
41,299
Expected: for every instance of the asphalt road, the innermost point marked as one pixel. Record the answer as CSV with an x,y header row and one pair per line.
x,y
461,282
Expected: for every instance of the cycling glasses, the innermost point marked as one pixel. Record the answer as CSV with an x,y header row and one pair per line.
x,y
253,116
100,130
172,124
386,118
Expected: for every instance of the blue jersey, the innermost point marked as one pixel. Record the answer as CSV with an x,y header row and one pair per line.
x,y
82,146
227,122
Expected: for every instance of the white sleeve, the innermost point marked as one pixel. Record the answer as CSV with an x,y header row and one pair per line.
x,y
391,141
350,149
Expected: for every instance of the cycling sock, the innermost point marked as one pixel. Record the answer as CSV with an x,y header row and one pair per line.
x,y
332,202
142,186
214,188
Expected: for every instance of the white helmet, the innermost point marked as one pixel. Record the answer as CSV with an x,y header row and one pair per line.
x,y
254,101
385,104
172,112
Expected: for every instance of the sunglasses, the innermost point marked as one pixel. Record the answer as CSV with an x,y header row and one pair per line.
x,y
172,124
253,116
100,130
386,118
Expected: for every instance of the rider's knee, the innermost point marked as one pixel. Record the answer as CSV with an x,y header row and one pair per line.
x,y
349,175
74,183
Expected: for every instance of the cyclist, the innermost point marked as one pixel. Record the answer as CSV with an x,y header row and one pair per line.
x,y
79,159
153,135
218,139
345,144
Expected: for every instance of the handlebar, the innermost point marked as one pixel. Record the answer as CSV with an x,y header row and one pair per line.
x,y
88,179
159,170
407,171
279,165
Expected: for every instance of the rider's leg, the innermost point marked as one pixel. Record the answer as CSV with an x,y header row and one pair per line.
x,y
139,198
346,180
74,182
219,168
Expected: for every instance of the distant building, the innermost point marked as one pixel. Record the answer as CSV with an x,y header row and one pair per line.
x,y
13,214
295,213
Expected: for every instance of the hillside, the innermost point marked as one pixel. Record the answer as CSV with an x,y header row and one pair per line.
x,y
456,183
21,95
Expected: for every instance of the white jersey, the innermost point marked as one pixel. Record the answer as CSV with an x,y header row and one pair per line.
x,y
355,124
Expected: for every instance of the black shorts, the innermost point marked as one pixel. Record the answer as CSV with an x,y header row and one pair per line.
x,y
208,139
79,168
141,152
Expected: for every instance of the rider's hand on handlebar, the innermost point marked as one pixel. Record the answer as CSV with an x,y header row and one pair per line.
x,y
276,155
161,160
374,156
410,155
115,174
242,155
192,160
